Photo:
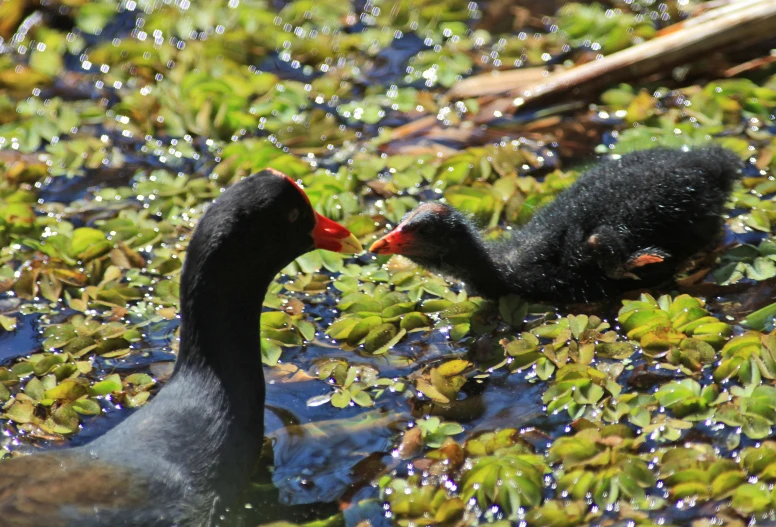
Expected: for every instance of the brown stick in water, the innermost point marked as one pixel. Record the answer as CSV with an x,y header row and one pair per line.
x,y
738,24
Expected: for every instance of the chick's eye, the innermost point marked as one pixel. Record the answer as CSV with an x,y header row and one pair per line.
x,y
425,229
293,215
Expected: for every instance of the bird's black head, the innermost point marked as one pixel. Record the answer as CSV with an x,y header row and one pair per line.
x,y
265,216
434,235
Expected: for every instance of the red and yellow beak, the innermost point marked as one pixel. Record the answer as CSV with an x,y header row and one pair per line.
x,y
395,242
330,235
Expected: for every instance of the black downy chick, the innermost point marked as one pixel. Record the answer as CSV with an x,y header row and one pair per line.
x,y
635,217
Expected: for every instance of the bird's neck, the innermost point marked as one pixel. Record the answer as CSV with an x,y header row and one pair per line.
x,y
220,330
475,262
202,434
483,271
216,393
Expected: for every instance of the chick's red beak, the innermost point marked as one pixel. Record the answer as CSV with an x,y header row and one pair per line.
x,y
395,242
330,235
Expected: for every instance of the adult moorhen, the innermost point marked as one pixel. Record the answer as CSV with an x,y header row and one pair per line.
x,y
185,456
633,217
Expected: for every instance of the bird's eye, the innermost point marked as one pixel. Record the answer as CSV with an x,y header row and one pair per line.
x,y
293,215
424,229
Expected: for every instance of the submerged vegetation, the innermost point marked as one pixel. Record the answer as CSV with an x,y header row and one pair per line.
x,y
393,394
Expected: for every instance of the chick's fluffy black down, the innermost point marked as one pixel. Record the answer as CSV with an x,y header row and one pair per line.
x,y
660,201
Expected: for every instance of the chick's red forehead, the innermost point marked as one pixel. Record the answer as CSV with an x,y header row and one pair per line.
x,y
425,208
436,208
280,174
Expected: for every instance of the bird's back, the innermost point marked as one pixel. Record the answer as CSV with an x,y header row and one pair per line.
x,y
150,470
71,488
649,194
663,199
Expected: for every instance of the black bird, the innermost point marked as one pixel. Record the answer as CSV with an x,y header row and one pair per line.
x,y
633,217
186,456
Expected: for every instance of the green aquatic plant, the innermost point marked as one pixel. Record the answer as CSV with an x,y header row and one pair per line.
x,y
278,330
748,261
442,384
656,322
574,339
752,409
379,317
562,513
696,471
744,354
602,29
57,393
37,122
435,432
601,462
688,400
497,469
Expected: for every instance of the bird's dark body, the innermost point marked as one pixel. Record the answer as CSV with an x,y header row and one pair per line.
x,y
180,460
662,204
130,476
